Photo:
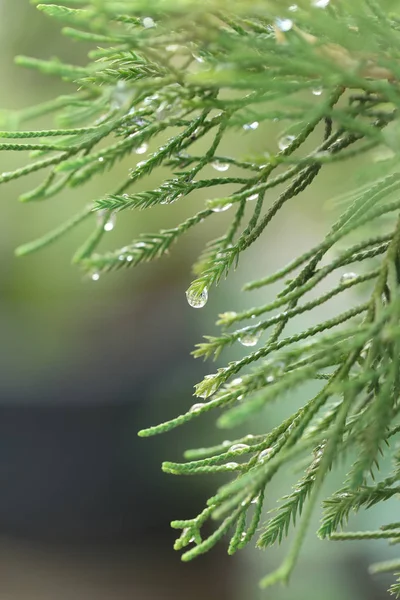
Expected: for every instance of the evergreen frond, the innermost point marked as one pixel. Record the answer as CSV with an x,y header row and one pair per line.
x,y
162,77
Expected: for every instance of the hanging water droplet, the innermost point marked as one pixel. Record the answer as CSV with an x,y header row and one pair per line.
x,y
251,126
95,276
320,3
196,407
109,226
101,159
346,277
285,141
221,208
284,24
148,23
197,300
218,166
270,379
129,258
317,91
121,257
252,197
231,466
142,149
249,337
264,454
238,447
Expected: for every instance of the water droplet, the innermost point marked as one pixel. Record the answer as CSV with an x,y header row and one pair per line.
x,y
252,197
142,149
251,126
284,24
320,3
172,47
101,158
140,164
293,8
218,166
270,379
255,500
196,407
231,466
318,453
238,447
317,91
95,276
148,23
221,208
249,337
109,226
285,141
226,443
346,277
197,300
129,258
121,257
243,536
236,382
264,454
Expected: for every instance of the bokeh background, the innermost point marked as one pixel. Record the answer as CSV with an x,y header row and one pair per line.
x,y
84,506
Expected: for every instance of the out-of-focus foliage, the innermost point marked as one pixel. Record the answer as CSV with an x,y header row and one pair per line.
x,y
172,73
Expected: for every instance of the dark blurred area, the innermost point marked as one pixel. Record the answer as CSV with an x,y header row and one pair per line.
x,y
84,506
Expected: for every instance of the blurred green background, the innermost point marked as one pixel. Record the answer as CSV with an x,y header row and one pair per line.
x,y
84,506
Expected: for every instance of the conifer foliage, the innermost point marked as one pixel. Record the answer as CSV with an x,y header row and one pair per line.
x,y
173,72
